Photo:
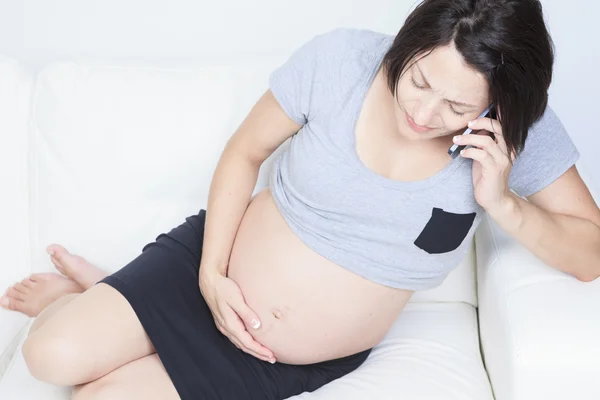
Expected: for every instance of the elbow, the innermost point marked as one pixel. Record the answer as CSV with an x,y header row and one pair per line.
x,y
589,274
591,270
586,278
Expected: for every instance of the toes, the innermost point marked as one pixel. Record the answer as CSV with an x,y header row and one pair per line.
x,y
54,249
57,265
44,276
28,283
12,294
5,302
11,303
14,305
61,258
19,287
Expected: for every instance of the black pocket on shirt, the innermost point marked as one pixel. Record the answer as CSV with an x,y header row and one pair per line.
x,y
445,231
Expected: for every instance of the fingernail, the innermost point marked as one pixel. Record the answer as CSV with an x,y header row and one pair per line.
x,y
457,138
462,152
272,361
471,123
255,323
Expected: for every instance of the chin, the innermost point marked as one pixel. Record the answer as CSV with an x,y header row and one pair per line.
x,y
409,134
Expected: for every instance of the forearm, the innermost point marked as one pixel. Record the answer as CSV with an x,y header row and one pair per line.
x,y
230,192
567,243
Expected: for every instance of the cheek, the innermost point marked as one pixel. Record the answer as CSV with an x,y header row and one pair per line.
x,y
406,91
457,124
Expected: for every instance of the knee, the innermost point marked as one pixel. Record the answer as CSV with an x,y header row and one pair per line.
x,y
54,359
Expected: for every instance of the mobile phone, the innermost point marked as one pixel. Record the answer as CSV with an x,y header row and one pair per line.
x,y
455,150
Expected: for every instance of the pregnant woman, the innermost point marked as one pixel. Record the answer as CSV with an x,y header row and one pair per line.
x,y
271,296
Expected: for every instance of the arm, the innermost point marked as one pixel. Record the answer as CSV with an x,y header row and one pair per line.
x,y
560,225
265,128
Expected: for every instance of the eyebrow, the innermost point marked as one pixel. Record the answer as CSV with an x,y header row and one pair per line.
x,y
458,103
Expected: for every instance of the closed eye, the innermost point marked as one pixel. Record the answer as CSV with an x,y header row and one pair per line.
x,y
415,84
456,112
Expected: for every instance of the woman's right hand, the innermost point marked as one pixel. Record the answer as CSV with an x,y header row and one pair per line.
x,y
226,302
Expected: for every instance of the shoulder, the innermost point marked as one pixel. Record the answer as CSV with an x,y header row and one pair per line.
x,y
544,135
548,152
345,55
350,41
548,121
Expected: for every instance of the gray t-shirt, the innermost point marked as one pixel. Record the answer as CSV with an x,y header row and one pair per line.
x,y
407,235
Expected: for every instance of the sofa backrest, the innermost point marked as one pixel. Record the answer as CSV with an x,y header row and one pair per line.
x,y
123,152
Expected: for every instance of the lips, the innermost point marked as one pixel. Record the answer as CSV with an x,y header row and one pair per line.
x,y
414,126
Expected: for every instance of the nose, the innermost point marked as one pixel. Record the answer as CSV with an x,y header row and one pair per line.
x,y
423,112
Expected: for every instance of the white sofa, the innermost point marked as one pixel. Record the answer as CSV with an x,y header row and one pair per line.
x,y
102,157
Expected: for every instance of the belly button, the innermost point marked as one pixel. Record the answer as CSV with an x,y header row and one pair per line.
x,y
277,314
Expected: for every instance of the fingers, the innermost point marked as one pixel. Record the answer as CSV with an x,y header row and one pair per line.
x,y
237,328
487,124
240,345
493,126
230,321
482,156
248,315
232,315
248,341
483,142
244,312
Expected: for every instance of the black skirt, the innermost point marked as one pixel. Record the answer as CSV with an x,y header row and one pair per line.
x,y
162,287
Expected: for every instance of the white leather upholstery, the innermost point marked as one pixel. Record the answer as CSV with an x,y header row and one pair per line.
x,y
540,328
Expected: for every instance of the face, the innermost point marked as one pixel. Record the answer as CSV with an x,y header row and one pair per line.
x,y
438,95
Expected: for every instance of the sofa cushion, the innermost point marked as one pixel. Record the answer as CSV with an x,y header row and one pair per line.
x,y
123,153
431,352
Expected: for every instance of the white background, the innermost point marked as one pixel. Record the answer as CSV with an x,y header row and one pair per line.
x,y
39,31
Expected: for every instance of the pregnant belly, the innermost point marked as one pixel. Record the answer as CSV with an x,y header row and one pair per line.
x,y
310,308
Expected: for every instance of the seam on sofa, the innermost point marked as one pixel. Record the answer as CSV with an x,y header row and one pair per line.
x,y
10,354
502,277
29,156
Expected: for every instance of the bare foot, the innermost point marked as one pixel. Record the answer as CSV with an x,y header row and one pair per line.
x,y
75,267
37,292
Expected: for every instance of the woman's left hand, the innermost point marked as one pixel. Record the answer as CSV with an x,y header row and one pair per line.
x,y
491,162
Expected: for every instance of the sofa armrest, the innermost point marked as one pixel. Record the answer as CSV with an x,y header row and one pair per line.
x,y
12,328
539,327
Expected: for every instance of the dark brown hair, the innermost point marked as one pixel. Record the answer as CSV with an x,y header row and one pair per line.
x,y
486,33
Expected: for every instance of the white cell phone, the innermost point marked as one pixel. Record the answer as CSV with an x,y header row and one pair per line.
x,y
455,150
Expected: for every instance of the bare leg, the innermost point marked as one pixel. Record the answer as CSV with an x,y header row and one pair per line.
x,y
143,379
49,311
91,335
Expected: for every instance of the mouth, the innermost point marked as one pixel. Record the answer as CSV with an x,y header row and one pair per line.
x,y
413,125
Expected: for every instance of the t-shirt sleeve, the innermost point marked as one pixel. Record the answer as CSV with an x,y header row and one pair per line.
x,y
548,153
296,84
